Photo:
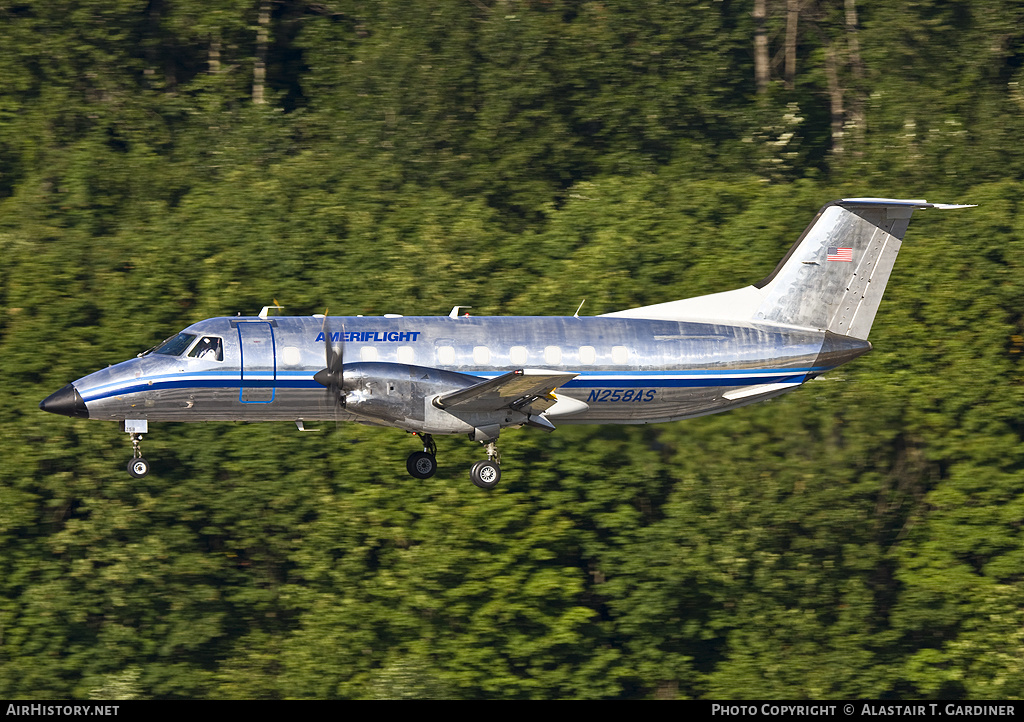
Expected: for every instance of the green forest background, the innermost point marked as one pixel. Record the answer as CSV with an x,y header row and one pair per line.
x,y
163,161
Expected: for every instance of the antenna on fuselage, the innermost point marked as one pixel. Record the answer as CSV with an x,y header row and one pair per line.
x,y
455,311
266,309
577,314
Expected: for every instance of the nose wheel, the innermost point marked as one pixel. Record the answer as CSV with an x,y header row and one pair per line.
x,y
138,468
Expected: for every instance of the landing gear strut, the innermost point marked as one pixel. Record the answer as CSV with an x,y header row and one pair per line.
x,y
487,474
423,464
137,467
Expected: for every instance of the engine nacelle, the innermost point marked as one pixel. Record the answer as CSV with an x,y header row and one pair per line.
x,y
402,395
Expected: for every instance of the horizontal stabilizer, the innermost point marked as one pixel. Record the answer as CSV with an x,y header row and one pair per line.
x,y
511,390
751,391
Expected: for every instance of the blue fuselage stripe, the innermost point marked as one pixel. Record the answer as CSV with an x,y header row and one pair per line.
x,y
601,379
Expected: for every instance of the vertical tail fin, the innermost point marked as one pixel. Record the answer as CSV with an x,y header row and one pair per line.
x,y
832,278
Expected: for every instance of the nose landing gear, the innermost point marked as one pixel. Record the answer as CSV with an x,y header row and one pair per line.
x,y
138,467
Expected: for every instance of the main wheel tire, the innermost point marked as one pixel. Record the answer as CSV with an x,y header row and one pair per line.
x,y
485,474
138,467
421,464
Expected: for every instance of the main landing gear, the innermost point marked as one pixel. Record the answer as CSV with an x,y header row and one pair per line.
x,y
484,474
487,474
423,464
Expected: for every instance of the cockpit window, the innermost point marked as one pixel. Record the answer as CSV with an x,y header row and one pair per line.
x,y
176,345
208,348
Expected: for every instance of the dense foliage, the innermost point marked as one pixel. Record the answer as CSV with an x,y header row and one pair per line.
x,y
162,161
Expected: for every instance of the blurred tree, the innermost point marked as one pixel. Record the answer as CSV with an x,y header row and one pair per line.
x,y
860,537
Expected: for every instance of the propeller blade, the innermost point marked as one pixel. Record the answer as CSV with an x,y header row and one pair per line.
x,y
332,377
334,356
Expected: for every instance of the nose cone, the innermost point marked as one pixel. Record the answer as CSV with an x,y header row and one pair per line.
x,y
67,401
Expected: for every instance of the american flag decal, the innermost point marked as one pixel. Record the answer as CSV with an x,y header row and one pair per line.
x,y
839,254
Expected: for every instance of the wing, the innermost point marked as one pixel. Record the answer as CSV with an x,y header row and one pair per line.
x,y
533,388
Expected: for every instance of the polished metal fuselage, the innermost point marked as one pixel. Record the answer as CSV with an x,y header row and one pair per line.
x,y
629,370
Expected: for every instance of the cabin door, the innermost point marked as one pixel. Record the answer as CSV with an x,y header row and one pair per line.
x,y
259,362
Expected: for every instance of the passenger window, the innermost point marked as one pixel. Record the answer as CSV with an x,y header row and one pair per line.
x,y
406,355
446,355
552,355
620,355
368,353
481,355
209,348
588,354
291,356
518,355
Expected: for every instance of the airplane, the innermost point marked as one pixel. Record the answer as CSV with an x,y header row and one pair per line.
x,y
478,375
